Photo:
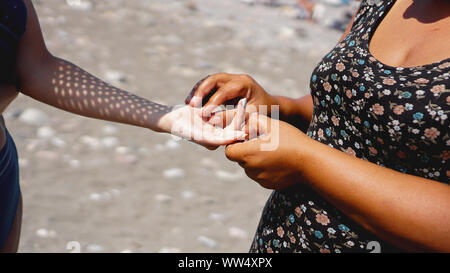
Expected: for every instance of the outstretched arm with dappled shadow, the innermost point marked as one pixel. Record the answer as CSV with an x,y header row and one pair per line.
x,y
64,85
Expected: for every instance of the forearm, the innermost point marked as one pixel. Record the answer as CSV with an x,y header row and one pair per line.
x,y
297,112
64,85
408,211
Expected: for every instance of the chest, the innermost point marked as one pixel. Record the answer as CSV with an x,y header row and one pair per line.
x,y
397,116
413,33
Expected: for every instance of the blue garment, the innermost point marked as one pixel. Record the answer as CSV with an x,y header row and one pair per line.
x,y
13,18
9,187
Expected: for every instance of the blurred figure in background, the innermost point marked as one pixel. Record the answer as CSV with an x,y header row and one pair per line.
x,y
332,13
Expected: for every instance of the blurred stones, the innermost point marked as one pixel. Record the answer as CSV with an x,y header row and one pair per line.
x,y
237,233
58,142
95,143
47,155
286,33
74,163
33,116
45,132
170,144
169,250
227,175
80,4
218,217
115,76
183,71
23,163
208,162
122,150
99,196
33,145
70,125
187,195
208,242
128,159
114,191
94,248
109,130
12,113
174,173
91,142
109,142
103,196
173,39
45,233
163,198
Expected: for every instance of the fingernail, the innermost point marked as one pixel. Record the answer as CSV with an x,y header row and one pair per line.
x,y
196,101
206,111
243,137
244,102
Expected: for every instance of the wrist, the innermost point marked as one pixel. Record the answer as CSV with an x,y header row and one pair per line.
x,y
304,150
284,107
163,122
272,101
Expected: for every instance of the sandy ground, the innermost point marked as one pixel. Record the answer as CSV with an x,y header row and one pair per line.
x,y
115,188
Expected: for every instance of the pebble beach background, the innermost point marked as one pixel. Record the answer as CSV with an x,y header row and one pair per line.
x,y
116,188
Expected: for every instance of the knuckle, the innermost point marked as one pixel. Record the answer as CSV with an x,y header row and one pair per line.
x,y
247,77
219,75
229,152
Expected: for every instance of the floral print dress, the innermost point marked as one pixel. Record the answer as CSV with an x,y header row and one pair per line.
x,y
392,116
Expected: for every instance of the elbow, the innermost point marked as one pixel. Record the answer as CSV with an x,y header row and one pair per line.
x,y
30,71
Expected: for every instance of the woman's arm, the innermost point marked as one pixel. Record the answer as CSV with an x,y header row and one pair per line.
x,y
297,112
405,210
409,211
64,85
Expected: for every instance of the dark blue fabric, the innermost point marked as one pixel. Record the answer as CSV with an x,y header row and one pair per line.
x,y
9,187
13,19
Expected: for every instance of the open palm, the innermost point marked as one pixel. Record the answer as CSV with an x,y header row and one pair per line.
x,y
187,122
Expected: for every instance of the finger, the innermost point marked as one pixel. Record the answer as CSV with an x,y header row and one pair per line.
x,y
251,125
240,115
256,125
239,152
225,93
222,118
194,89
206,87
226,137
235,152
239,118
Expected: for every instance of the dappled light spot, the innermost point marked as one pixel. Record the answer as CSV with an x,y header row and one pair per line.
x,y
82,93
